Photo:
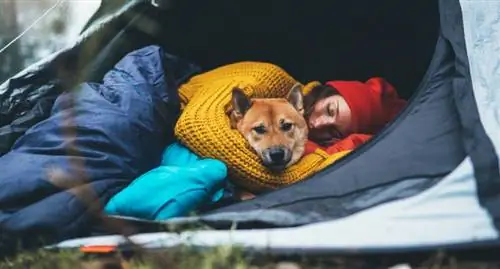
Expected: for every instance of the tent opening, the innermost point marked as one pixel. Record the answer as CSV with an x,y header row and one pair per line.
x,y
312,40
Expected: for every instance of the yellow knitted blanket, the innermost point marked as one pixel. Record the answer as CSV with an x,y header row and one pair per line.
x,y
205,128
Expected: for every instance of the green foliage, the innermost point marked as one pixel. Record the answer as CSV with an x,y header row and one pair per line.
x,y
183,258
44,260
226,257
179,258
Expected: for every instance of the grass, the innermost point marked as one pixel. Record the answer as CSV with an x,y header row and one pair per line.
x,y
223,257
217,258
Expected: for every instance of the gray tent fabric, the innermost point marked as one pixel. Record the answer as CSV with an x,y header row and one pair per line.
x,y
480,20
446,214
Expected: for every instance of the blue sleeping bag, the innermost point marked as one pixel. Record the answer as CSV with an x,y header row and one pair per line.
x,y
98,138
183,183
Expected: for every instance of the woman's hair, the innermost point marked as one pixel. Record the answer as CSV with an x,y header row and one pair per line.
x,y
317,93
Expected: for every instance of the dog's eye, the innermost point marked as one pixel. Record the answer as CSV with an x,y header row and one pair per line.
x,y
260,129
286,126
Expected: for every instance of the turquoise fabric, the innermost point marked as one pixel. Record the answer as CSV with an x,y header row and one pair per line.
x,y
181,184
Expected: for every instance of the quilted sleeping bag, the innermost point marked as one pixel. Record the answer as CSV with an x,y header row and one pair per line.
x,y
97,139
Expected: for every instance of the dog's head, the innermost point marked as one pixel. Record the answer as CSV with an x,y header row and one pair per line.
x,y
274,127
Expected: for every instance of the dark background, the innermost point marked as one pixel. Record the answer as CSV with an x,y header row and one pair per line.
x,y
312,40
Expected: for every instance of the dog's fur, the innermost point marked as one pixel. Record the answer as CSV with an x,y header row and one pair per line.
x,y
274,127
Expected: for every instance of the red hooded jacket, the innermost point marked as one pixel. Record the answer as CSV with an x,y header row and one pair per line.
x,y
373,104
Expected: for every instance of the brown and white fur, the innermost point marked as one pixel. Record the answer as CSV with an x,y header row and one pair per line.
x,y
274,127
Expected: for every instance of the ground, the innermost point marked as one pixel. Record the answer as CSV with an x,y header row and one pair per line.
x,y
221,258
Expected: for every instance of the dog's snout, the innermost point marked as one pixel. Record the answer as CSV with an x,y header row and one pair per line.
x,y
277,158
277,155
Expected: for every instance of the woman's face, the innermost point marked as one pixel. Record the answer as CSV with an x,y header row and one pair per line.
x,y
330,120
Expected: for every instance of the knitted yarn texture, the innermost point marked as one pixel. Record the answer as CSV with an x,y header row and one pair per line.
x,y
204,126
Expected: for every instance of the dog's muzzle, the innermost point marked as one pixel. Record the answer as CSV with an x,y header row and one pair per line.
x,y
277,158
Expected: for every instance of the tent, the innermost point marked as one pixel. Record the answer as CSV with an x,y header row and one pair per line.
x,y
430,179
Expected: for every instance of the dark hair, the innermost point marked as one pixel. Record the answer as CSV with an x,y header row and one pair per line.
x,y
316,94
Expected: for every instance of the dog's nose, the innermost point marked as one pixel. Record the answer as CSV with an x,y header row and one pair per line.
x,y
276,158
277,155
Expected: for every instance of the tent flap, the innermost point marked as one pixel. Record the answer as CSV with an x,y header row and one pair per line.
x,y
479,61
27,97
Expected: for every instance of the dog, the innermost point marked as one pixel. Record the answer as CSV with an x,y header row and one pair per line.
x,y
275,128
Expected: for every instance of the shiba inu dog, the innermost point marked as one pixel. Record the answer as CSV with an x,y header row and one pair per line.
x,y
274,127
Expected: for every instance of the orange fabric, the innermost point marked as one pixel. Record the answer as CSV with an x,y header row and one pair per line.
x,y
347,144
97,249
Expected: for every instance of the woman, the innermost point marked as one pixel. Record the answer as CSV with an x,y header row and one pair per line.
x,y
344,114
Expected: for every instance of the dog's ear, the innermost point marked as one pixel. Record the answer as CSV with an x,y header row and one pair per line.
x,y
240,102
296,98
